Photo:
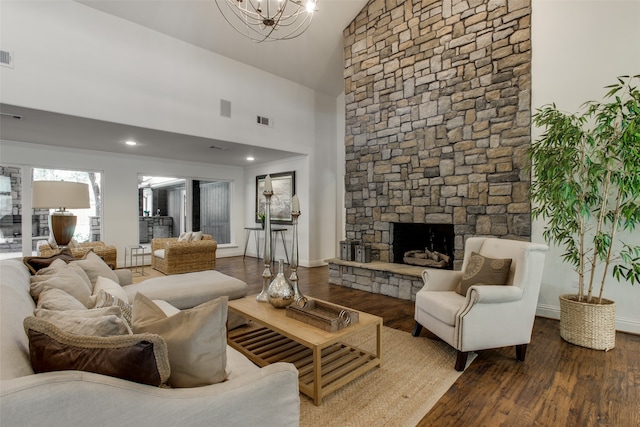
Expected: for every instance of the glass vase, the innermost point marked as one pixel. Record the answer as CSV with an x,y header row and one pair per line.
x,y
280,291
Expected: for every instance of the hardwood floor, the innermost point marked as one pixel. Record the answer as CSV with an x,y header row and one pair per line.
x,y
559,384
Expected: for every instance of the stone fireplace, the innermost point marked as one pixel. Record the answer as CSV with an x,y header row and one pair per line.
x,y
438,124
437,98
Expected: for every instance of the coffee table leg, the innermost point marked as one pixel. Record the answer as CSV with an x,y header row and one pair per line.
x,y
317,376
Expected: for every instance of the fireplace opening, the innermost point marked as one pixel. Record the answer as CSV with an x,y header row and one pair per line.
x,y
427,245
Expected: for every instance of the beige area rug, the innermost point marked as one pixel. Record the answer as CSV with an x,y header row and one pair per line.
x,y
415,373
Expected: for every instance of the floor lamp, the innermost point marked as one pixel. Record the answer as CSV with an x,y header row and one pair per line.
x,y
61,195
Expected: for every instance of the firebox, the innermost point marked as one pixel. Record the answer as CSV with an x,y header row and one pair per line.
x,y
427,245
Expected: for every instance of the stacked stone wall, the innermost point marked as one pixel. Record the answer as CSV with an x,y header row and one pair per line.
x,y
438,118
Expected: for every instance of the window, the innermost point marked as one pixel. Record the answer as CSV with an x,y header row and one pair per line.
x,y
88,226
165,211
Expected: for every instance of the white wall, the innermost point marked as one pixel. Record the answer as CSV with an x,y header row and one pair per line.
x,y
75,60
578,48
120,185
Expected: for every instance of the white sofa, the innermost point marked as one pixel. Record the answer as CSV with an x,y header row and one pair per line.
x,y
251,396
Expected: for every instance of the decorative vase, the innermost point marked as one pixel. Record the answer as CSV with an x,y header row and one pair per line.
x,y
587,324
280,291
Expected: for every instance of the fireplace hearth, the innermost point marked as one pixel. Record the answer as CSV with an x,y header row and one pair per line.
x,y
427,245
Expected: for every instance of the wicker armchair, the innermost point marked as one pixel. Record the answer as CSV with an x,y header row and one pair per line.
x,y
107,252
172,257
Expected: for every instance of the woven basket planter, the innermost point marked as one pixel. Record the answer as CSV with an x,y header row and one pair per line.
x,y
588,325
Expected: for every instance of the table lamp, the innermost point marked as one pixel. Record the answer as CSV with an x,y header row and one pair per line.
x,y
61,195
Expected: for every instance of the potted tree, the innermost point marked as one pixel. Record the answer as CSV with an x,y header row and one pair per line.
x,y
586,186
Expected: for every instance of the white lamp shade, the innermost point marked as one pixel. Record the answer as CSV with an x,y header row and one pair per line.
x,y
60,194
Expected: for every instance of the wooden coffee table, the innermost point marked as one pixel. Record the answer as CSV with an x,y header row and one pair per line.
x,y
323,361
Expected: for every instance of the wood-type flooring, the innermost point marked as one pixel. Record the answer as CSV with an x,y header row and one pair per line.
x,y
558,384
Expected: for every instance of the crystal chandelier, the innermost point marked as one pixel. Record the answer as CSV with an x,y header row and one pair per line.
x,y
268,20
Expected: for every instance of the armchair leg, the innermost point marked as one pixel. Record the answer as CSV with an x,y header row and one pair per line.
x,y
521,352
417,328
461,360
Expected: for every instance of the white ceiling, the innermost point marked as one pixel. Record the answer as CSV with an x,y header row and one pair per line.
x,y
314,60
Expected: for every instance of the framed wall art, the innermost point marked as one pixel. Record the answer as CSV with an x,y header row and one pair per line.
x,y
284,187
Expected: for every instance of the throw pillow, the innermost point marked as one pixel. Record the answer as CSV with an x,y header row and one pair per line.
x,y
57,299
185,236
36,263
65,278
483,271
141,358
95,266
105,299
108,285
97,322
196,339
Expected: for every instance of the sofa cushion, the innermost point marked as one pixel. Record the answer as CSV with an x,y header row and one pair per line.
x,y
482,270
66,277
99,322
196,339
57,299
95,267
141,358
36,263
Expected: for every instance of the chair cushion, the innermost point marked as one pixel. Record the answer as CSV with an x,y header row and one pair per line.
x,y
483,270
159,253
443,305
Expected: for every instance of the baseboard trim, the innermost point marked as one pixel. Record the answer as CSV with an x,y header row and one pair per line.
x,y
623,324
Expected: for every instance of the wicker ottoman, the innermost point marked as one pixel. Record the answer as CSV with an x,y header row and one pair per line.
x,y
191,289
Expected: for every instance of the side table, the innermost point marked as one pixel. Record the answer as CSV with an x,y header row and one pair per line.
x,y
274,238
134,253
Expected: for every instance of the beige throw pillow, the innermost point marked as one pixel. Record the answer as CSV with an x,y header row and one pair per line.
x,y
56,299
105,299
483,271
97,322
196,339
63,276
95,267
108,285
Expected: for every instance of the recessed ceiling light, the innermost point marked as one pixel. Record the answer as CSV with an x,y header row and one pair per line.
x,y
250,159
130,142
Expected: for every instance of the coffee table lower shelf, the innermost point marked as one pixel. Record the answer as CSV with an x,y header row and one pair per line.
x,y
340,363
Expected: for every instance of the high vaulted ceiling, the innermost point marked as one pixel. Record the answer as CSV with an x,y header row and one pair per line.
x,y
314,60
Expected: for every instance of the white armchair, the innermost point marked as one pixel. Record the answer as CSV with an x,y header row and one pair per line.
x,y
488,316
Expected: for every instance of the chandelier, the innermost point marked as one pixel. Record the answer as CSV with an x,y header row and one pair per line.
x,y
268,20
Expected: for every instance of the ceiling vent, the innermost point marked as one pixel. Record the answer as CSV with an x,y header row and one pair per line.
x,y
265,121
225,108
6,58
217,147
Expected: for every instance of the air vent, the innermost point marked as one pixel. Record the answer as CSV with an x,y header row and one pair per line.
x,y
6,58
216,147
225,108
265,121
12,115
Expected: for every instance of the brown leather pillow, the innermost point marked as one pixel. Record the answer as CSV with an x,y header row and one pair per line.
x,y
36,263
481,270
142,358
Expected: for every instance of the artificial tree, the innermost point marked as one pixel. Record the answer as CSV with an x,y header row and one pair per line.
x,y
586,185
